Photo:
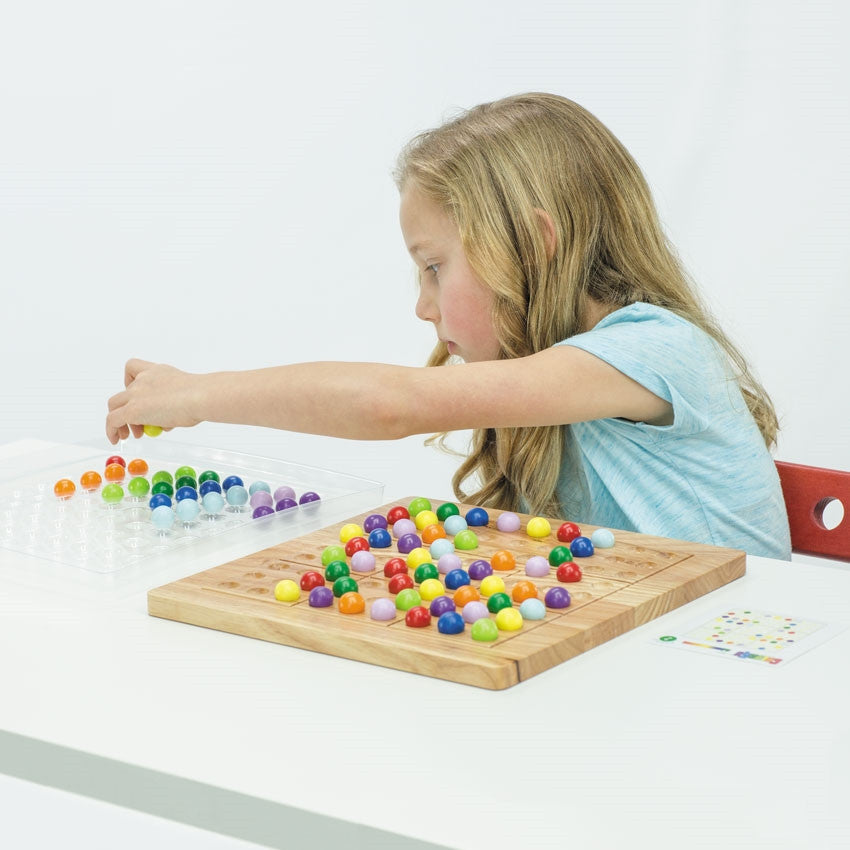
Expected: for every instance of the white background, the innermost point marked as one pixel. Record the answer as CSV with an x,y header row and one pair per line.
x,y
209,184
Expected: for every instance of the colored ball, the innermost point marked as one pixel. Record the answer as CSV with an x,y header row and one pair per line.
x,y
114,472
477,517
417,617
260,511
90,480
503,560
363,561
448,562
399,582
508,522
396,513
374,521
567,532
320,597
64,488
286,591
602,538
465,594
523,590
162,487
162,475
208,486
408,542
417,556
559,555
283,492
382,609
336,569
213,503
446,510
568,572
162,517
285,504
138,487
484,630
508,620
454,524
232,481
581,547
236,495
480,569
456,579
407,598
356,544
532,609
187,510
498,601
380,538
186,471
537,566
404,526
346,584
259,497
209,475
332,553
187,493
309,497
433,532
491,585
440,604
538,527
152,430
474,611
352,603
138,466
258,487
430,589
311,579
424,571
557,597
418,505
441,546
116,459
159,500
394,567
425,518
466,540
450,623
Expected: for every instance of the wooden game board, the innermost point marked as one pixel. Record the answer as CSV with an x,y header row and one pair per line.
x,y
636,581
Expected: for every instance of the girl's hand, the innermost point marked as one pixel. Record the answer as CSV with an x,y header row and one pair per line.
x,y
154,394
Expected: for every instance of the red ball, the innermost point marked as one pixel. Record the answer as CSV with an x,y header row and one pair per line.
x,y
397,513
394,566
356,544
311,579
400,582
418,617
116,459
568,572
568,532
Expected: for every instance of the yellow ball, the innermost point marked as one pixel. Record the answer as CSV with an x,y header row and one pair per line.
x,y
349,530
491,585
417,556
152,430
509,620
425,518
431,588
286,591
538,527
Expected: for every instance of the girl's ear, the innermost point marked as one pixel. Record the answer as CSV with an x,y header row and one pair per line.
x,y
548,227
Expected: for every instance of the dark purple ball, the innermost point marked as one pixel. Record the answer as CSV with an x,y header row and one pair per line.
x,y
309,496
442,604
557,597
286,504
374,521
261,510
480,569
321,597
408,542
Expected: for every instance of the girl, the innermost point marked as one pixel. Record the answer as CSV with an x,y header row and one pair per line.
x,y
596,384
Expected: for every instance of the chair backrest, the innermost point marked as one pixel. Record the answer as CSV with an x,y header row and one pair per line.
x,y
807,491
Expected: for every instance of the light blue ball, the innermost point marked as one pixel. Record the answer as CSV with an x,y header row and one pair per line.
x,y
532,609
237,495
441,546
188,510
162,517
602,538
259,485
213,502
454,524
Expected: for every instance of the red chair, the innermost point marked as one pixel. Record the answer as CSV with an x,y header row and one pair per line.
x,y
807,491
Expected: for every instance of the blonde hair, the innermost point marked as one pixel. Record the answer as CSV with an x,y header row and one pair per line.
x,y
492,169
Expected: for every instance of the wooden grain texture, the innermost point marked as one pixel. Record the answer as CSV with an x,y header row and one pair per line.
x,y
640,579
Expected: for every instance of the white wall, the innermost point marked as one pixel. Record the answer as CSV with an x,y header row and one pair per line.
x,y
208,183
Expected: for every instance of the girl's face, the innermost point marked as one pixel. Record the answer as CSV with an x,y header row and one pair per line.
x,y
450,294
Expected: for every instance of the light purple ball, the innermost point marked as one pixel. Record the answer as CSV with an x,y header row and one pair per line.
x,y
261,497
508,521
382,609
363,562
374,521
283,492
537,566
449,562
473,611
404,526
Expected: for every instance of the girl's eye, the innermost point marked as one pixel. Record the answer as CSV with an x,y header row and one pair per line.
x,y
433,268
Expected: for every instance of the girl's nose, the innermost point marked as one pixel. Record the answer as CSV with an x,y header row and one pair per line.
x,y
426,304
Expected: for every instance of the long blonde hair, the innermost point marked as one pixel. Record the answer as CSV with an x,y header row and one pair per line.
x,y
492,168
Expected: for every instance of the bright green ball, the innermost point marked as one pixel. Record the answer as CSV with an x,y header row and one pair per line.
x,y
112,494
407,599
139,487
332,553
466,540
185,470
484,630
418,505
161,475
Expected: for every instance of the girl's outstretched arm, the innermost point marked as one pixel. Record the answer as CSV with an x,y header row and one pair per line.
x,y
372,401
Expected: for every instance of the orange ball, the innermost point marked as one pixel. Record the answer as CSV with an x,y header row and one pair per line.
x,y
351,603
90,480
114,472
503,560
137,466
524,590
432,532
64,488
466,593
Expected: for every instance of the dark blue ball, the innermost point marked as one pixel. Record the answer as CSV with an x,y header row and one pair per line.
x,y
450,623
456,579
209,486
186,493
477,516
380,538
581,547
230,481
159,499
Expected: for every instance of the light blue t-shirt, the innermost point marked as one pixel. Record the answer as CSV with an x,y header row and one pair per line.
x,y
708,477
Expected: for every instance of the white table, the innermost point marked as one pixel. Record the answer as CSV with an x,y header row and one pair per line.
x,y
627,745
